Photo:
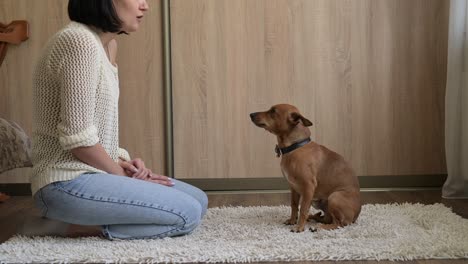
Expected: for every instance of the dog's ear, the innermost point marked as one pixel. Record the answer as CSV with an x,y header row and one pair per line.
x,y
294,117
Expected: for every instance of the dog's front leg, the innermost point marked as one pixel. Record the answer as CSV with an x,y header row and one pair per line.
x,y
295,197
306,202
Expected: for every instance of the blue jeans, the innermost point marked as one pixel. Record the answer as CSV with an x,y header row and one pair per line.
x,y
127,208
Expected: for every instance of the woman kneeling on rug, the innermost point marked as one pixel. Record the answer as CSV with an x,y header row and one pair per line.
x,y
80,175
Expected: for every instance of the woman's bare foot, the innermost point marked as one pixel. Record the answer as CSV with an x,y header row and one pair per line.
x,y
3,197
40,226
75,231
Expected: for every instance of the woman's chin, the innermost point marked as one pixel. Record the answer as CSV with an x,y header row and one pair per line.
x,y
131,29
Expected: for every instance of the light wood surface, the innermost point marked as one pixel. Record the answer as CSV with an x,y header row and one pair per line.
x,y
45,18
140,72
140,61
369,74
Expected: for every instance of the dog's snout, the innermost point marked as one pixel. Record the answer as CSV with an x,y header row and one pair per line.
x,y
257,119
252,116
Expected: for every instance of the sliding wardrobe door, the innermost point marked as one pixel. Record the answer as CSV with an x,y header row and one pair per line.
x,y
222,70
369,74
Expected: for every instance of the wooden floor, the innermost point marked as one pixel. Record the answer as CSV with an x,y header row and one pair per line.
x,y
14,210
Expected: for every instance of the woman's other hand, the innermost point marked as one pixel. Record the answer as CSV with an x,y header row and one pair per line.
x,y
142,172
160,179
128,168
136,169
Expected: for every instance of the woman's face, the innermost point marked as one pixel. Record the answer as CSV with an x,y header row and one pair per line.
x,y
130,13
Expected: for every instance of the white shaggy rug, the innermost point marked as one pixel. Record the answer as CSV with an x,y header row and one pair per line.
x,y
252,234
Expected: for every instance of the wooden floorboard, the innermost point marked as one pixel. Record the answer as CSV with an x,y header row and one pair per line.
x,y
15,210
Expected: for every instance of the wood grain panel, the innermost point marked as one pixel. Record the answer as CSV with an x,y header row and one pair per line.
x,y
369,74
140,61
399,78
45,18
140,71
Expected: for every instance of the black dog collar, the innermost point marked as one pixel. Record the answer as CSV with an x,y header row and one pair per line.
x,y
281,151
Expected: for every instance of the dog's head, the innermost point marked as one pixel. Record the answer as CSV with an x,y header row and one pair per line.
x,y
280,119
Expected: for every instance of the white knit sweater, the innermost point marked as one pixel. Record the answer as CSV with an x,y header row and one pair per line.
x,y
75,104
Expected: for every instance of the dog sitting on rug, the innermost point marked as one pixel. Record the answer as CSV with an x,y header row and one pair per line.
x,y
316,175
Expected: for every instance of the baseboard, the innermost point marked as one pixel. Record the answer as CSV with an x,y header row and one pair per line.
x,y
252,184
15,189
387,182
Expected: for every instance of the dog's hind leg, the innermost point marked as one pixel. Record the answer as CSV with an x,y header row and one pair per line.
x,y
324,227
320,204
320,217
338,211
333,222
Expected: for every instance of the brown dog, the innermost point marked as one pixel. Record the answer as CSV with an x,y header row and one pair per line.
x,y
317,176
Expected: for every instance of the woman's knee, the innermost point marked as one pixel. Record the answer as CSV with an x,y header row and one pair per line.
x,y
204,204
202,199
193,218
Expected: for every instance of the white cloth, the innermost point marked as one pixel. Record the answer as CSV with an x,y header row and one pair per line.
x,y
456,104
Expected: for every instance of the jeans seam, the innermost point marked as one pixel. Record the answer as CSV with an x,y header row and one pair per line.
x,y
184,218
41,193
107,234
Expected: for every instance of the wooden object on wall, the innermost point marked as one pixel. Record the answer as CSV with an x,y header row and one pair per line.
x,y
369,74
13,33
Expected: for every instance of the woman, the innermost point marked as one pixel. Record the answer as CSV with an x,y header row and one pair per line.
x,y
80,174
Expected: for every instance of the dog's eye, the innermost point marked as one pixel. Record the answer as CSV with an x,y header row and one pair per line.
x,y
272,113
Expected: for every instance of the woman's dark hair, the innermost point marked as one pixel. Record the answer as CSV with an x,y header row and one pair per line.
x,y
98,13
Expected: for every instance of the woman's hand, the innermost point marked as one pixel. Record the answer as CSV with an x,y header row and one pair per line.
x,y
160,179
136,169
128,168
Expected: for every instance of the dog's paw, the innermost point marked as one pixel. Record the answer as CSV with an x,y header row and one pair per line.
x,y
289,222
297,229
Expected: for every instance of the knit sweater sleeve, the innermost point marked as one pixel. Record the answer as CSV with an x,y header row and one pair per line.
x,y
123,154
78,77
